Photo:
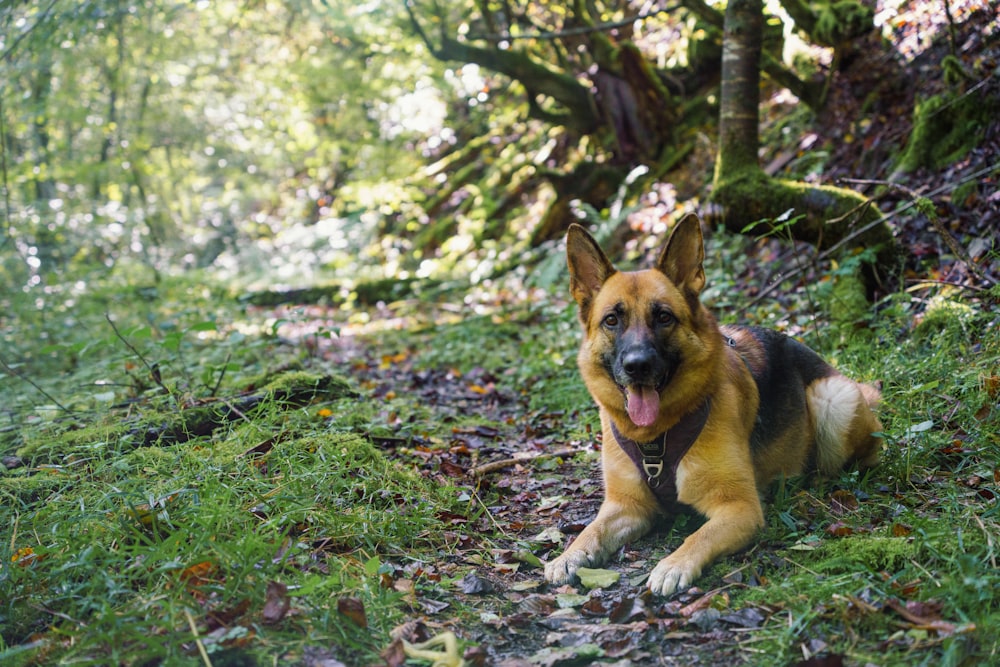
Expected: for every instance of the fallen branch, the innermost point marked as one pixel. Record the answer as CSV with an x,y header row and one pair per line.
x,y
925,206
776,283
523,457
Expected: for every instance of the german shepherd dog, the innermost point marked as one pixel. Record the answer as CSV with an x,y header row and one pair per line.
x,y
694,413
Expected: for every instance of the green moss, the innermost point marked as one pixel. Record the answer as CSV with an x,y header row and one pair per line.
x,y
31,488
953,71
838,22
48,444
873,552
751,196
847,303
945,319
945,128
300,386
147,460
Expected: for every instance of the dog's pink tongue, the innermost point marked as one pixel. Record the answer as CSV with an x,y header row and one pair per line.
x,y
643,405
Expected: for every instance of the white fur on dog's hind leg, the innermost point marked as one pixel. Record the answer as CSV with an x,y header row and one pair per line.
x,y
834,401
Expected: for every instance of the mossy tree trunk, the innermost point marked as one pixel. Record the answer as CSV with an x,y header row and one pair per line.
x,y
743,194
740,95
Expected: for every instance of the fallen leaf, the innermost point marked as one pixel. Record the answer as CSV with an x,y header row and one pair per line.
x,y
843,502
528,558
839,529
354,610
808,543
197,574
748,617
433,606
596,578
835,660
926,616
584,654
24,556
706,619
276,604
550,535
542,605
595,606
472,584
901,530
452,470
627,608
394,655
702,602
316,656
569,600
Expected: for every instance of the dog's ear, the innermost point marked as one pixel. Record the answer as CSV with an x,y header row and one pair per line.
x,y
588,267
683,256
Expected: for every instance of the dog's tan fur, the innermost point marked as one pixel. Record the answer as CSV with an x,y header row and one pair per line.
x,y
722,474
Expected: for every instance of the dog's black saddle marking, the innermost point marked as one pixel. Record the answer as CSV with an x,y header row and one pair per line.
x,y
664,454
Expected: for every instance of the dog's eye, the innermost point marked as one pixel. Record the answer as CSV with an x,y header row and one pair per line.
x,y
664,317
610,320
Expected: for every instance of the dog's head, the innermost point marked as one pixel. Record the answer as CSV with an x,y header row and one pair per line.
x,y
647,337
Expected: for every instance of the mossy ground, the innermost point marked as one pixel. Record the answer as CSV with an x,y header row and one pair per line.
x,y
119,553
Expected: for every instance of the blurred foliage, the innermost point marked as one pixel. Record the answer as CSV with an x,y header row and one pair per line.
x,y
171,135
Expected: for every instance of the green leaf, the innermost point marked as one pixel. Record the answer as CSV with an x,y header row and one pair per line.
x,y
569,600
597,578
528,558
372,566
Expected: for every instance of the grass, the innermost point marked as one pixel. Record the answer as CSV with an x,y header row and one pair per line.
x,y
922,528
180,552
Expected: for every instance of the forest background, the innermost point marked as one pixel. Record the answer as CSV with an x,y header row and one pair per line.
x,y
280,279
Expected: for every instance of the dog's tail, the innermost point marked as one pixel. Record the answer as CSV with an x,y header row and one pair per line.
x,y
845,424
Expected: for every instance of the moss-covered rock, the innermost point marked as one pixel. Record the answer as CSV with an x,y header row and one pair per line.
x,y
945,128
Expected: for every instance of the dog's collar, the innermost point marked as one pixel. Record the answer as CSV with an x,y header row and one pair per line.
x,y
666,451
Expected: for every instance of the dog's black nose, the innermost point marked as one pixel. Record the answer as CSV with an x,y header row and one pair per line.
x,y
638,362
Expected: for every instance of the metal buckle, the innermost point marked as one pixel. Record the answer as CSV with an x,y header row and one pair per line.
x,y
653,470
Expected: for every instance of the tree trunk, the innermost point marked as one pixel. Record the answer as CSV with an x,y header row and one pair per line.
x,y
743,194
740,94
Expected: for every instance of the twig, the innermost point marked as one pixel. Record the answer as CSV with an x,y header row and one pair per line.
x,y
222,374
934,580
197,639
920,282
952,40
13,531
22,376
57,614
7,234
154,370
235,410
801,566
494,466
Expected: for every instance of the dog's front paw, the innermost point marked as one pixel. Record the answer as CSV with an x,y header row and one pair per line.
x,y
672,575
563,569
